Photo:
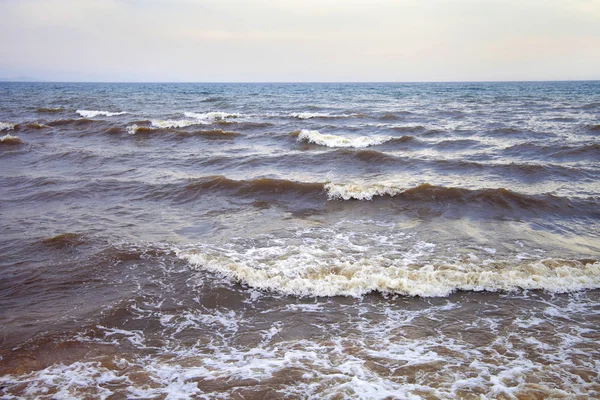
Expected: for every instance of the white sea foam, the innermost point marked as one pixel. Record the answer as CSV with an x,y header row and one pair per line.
x,y
95,113
10,139
193,118
176,123
212,116
309,115
333,263
308,275
358,191
132,129
6,126
380,362
316,137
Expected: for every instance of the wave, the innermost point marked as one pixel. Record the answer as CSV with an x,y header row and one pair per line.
x,y
50,110
177,123
95,113
408,128
555,151
255,186
309,115
299,270
212,116
76,122
423,194
370,156
36,125
210,133
356,191
64,240
214,99
6,126
10,140
341,141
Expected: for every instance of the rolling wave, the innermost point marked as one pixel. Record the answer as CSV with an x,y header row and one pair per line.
x,y
50,110
95,113
208,133
309,115
309,270
10,140
6,126
316,137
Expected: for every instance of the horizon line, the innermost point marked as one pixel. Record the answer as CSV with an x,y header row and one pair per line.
x,y
304,82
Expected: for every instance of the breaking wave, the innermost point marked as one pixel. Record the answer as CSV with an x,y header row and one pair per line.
x,y
176,123
209,133
316,137
95,113
10,140
315,268
309,115
358,191
5,126
50,110
212,116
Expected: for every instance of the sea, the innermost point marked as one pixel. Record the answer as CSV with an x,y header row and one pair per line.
x,y
300,240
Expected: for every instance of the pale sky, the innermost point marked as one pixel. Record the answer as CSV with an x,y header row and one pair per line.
x,y
300,40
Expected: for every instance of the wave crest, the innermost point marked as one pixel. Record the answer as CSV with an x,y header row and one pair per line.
x,y
357,191
316,137
6,126
305,272
10,139
95,113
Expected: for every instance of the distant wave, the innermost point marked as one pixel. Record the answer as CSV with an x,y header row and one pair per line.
x,y
10,140
212,116
195,119
6,126
50,110
175,123
95,113
341,141
76,122
309,115
36,125
209,133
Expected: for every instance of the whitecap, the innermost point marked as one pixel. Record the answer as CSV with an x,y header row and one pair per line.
x,y
309,115
95,113
338,262
212,116
312,136
358,191
6,126
308,274
176,123
10,139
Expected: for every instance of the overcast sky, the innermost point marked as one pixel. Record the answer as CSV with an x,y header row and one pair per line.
x,y
300,40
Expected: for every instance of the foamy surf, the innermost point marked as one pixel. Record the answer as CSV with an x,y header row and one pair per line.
x,y
329,262
213,116
312,136
309,115
317,277
6,126
358,191
95,113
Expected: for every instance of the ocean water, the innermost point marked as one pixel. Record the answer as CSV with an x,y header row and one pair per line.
x,y
326,241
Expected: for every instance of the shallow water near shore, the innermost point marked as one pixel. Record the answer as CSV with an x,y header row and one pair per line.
x,y
300,240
